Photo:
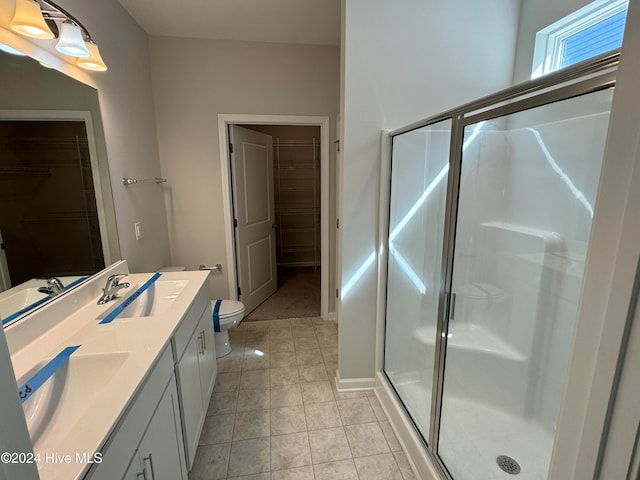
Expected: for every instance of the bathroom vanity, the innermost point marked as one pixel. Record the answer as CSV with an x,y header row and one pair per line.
x,y
131,399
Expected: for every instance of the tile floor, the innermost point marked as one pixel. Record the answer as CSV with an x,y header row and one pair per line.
x,y
275,413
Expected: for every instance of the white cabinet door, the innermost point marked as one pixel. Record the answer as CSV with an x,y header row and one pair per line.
x,y
207,358
161,447
135,470
193,411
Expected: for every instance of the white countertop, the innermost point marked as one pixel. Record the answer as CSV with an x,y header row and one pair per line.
x,y
143,339
11,301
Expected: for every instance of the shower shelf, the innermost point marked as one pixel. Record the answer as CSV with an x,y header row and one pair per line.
x,y
472,338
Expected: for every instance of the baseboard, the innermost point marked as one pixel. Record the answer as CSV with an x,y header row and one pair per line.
x,y
351,384
332,316
418,457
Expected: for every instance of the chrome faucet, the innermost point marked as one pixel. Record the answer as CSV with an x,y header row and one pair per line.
x,y
53,288
111,288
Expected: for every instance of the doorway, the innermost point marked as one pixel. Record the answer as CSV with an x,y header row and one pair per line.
x,y
296,191
300,156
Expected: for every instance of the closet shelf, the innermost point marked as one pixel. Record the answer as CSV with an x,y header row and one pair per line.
x,y
46,141
297,186
60,217
298,229
296,211
297,167
297,143
298,249
311,263
297,189
38,171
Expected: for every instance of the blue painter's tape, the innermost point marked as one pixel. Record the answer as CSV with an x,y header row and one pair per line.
x,y
216,316
26,309
130,299
76,282
35,304
42,375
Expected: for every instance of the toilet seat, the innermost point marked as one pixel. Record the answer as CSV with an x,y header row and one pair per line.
x,y
229,308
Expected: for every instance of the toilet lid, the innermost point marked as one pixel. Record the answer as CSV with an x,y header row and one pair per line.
x,y
229,307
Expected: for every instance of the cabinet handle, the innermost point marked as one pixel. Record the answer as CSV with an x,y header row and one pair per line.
x,y
150,459
200,344
142,474
204,341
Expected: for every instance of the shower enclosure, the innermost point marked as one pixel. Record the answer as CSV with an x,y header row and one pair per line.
x,y
490,214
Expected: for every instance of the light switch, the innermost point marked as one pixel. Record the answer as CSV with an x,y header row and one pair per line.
x,y
138,229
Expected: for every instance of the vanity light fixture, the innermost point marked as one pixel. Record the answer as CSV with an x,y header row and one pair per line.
x,y
40,18
28,20
94,60
71,42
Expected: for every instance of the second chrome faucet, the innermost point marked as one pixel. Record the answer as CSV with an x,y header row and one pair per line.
x,y
111,288
53,288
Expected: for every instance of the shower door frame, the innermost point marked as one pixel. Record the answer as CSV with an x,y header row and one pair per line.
x,y
582,79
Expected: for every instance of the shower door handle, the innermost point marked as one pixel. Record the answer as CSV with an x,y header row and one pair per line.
x,y
452,305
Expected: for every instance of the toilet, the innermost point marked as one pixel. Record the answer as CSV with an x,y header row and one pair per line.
x,y
226,314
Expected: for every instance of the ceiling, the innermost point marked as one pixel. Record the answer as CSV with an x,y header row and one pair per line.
x,y
315,22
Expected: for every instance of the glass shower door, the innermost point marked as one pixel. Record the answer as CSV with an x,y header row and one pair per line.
x,y
528,185
420,165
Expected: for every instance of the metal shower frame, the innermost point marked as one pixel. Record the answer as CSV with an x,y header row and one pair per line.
x,y
586,77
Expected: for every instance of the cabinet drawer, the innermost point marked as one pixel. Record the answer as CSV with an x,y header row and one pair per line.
x,y
189,322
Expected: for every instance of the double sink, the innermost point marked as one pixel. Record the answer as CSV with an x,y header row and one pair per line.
x,y
80,402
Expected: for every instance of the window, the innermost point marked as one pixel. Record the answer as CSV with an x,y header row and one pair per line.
x,y
594,29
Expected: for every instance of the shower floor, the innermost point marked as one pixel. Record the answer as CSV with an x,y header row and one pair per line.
x,y
473,435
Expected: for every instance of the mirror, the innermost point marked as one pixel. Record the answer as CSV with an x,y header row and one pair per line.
x,y
56,209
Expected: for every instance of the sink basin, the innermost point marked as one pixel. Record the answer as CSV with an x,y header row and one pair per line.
x,y
19,300
52,410
155,300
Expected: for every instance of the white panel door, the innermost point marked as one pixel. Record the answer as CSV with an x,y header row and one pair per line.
x,y
253,204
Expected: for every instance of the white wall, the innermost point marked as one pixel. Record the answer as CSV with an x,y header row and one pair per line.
x,y
127,109
401,65
193,82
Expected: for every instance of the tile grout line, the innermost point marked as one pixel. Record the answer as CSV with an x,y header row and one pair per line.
x,y
353,460
269,389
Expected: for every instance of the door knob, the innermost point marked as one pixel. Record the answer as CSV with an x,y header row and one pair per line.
x,y
275,225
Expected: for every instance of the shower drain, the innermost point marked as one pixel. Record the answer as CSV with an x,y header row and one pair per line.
x,y
508,464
